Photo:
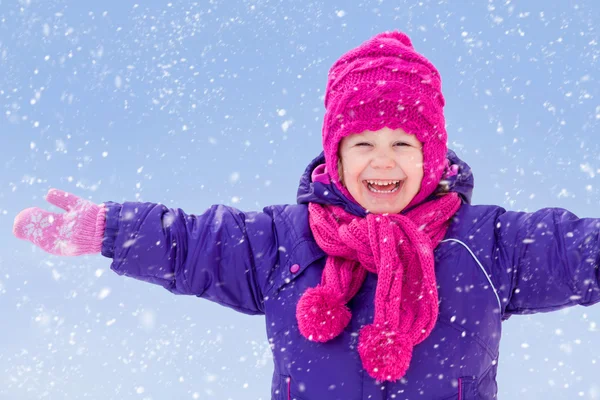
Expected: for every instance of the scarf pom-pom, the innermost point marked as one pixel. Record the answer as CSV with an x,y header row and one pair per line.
x,y
385,353
321,314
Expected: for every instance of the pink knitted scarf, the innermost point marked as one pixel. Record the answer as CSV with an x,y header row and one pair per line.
x,y
399,249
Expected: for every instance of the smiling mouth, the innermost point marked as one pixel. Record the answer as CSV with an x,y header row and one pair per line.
x,y
385,187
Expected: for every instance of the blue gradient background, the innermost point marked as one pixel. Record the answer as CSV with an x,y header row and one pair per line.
x,y
191,104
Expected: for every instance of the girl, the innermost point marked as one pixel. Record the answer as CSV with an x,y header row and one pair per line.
x,y
383,282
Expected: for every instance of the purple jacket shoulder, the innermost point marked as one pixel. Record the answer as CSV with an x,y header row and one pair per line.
x,y
540,261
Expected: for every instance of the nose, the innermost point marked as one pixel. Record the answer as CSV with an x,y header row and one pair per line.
x,y
383,160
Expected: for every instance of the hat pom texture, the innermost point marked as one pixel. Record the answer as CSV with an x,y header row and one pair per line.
x,y
385,354
322,314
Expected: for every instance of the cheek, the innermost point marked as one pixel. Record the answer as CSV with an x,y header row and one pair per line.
x,y
414,163
346,168
352,172
415,159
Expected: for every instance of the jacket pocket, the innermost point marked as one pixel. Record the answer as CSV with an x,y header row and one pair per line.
x,y
467,388
282,388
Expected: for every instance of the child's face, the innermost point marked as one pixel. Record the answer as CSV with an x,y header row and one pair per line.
x,y
380,157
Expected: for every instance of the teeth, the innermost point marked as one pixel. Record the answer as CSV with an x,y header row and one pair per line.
x,y
382,183
372,188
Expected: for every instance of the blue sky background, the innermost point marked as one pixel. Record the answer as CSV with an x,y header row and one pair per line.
x,y
196,103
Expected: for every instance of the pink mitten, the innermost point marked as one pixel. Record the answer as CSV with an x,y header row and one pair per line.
x,y
78,231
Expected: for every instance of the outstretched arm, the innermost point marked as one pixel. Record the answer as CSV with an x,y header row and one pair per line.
x,y
223,255
551,257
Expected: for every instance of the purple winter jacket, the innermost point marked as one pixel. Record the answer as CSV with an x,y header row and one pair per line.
x,y
492,264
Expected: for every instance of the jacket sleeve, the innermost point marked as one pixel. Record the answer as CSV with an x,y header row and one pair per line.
x,y
551,259
223,255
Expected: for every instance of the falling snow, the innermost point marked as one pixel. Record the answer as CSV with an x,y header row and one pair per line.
x,y
200,103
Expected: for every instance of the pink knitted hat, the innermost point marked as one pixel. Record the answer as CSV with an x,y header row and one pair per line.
x,y
384,82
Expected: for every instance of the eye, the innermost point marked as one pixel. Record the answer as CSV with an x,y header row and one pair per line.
x,y
402,144
362,144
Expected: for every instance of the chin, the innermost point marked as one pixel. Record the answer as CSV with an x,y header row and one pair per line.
x,y
381,203
385,209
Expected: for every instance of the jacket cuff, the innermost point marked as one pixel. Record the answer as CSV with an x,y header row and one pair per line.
x,y
113,211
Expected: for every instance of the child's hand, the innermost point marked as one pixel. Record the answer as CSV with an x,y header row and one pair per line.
x,y
78,231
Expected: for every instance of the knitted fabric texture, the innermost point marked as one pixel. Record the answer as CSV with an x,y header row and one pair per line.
x,y
384,82
399,249
78,231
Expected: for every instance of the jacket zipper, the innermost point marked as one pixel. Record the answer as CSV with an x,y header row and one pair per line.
x,y
289,385
459,388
